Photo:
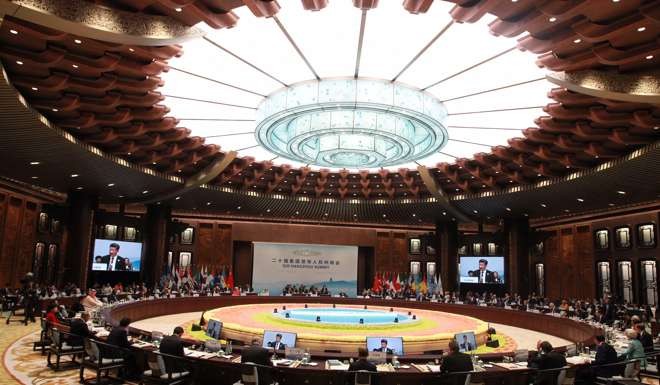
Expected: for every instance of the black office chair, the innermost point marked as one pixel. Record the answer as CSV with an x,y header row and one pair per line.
x,y
59,347
101,358
44,337
165,369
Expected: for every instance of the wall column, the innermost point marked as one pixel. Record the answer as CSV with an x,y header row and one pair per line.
x,y
520,270
155,242
78,232
447,235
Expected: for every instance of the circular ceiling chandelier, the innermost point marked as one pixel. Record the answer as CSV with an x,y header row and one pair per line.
x,y
351,123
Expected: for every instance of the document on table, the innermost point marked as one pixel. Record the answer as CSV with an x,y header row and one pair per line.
x,y
509,365
335,365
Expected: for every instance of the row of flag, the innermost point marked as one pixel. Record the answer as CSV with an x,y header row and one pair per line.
x,y
203,277
398,281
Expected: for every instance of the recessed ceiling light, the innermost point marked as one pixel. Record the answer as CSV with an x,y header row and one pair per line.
x,y
153,162
577,41
131,49
552,19
238,208
145,192
20,63
35,177
13,32
178,9
74,175
621,192
414,215
74,65
580,200
297,212
656,128
208,203
267,210
78,41
444,213
567,211
641,29
568,166
384,215
649,57
79,188
177,198
539,175
110,184
34,163
475,211
55,110
544,205
35,89
507,208
525,215
611,204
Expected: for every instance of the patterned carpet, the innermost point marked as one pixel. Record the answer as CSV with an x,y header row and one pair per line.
x,y
10,334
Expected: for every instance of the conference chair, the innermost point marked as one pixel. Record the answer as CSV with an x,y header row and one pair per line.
x,y
363,377
96,361
566,376
44,337
59,347
249,374
165,369
471,381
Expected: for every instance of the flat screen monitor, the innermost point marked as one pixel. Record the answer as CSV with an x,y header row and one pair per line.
x,y
214,329
279,341
482,270
467,342
111,255
390,345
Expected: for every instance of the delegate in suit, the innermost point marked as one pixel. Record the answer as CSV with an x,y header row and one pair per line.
x,y
484,275
277,344
383,347
261,356
113,260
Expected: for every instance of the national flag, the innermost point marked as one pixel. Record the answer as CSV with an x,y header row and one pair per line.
x,y
230,280
397,283
423,287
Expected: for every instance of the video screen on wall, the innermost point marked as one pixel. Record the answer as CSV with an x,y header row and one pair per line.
x,y
112,255
482,270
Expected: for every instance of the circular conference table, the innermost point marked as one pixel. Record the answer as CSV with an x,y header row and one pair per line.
x,y
218,370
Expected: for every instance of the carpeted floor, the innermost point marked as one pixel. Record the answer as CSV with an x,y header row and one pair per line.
x,y
8,335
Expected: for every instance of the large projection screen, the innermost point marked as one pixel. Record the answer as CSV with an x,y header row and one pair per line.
x,y
278,264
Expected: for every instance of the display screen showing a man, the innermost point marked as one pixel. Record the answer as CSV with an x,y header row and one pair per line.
x,y
465,345
484,275
383,347
277,344
114,260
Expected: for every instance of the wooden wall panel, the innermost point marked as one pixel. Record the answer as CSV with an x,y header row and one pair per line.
x,y
28,238
10,239
204,245
312,234
553,267
586,264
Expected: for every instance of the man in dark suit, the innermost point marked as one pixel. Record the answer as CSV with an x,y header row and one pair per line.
x,y
362,364
119,337
608,312
383,347
173,346
484,275
277,344
605,354
115,262
456,362
465,346
644,337
79,330
544,360
261,356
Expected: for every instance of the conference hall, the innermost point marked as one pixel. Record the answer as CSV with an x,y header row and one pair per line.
x,y
329,192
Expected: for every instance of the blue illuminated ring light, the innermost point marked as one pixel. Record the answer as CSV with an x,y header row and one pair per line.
x,y
351,123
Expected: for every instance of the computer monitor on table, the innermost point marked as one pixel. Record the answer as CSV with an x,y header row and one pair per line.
x,y
279,341
388,345
214,329
467,342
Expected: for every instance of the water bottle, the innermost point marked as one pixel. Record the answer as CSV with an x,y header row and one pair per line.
x,y
229,348
395,362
